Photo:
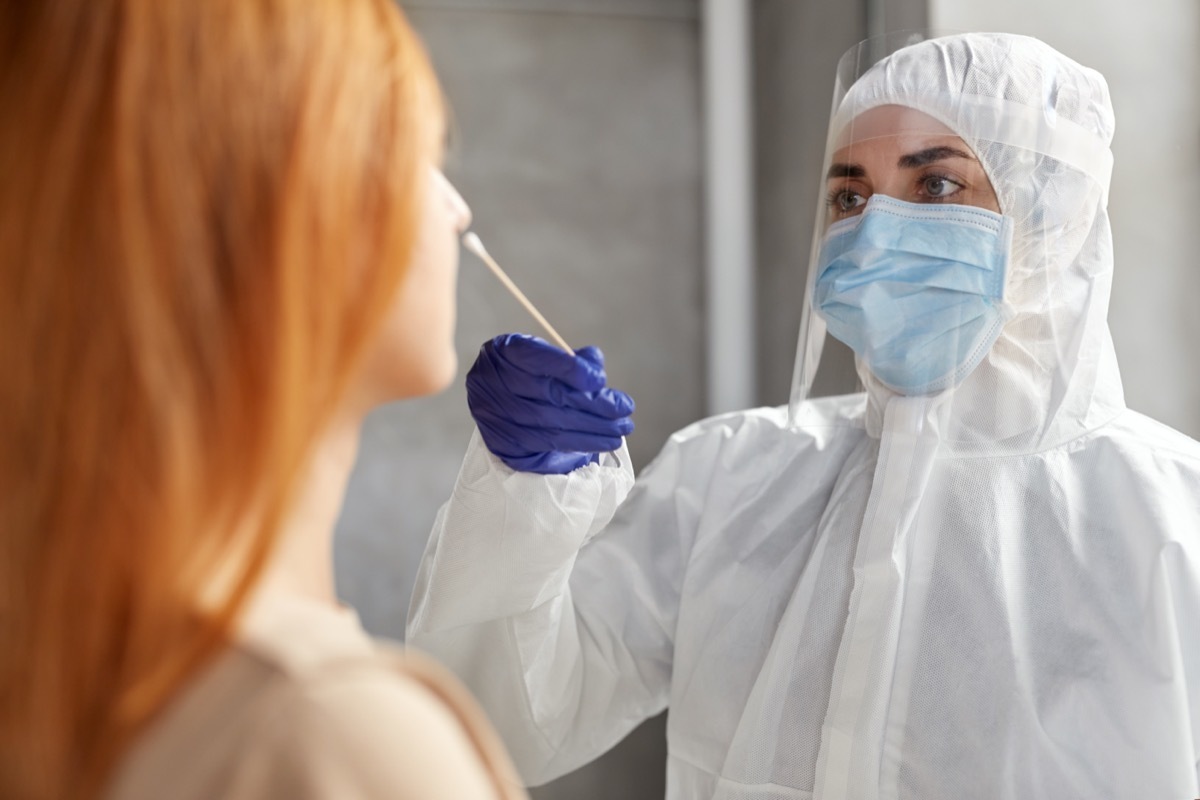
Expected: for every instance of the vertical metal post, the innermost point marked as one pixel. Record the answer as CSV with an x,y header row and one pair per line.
x,y
875,16
729,205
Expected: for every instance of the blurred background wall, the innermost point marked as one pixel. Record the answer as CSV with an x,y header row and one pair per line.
x,y
578,138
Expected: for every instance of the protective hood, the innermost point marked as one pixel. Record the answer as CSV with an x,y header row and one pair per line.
x,y
1041,126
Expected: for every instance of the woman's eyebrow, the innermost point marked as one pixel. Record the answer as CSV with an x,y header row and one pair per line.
x,y
845,171
930,155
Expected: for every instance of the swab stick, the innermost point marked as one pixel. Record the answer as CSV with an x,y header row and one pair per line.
x,y
471,241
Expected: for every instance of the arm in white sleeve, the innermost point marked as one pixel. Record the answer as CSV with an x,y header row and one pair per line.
x,y
565,639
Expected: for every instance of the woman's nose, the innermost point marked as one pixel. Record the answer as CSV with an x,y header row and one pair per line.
x,y
460,212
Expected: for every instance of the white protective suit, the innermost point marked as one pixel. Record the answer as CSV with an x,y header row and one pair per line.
x,y
990,592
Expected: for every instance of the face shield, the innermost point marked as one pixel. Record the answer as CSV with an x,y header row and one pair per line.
x,y
961,247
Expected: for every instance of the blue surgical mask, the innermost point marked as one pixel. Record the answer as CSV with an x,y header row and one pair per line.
x,y
916,290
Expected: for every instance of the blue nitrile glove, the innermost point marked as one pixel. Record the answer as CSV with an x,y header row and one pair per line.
x,y
541,410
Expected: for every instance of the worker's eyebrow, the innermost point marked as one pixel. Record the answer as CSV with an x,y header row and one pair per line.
x,y
930,155
845,171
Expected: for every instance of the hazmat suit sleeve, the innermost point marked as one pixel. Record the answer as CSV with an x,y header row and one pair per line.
x,y
566,639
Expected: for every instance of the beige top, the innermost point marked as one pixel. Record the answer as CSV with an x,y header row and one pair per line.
x,y
307,705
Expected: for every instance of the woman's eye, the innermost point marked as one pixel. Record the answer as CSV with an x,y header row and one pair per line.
x,y
938,186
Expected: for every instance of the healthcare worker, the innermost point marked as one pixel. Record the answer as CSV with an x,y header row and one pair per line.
x,y
979,577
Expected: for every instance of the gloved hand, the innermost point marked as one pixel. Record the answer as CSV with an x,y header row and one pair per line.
x,y
541,410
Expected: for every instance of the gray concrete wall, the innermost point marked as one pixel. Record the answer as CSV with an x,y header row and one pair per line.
x,y
576,139
1150,54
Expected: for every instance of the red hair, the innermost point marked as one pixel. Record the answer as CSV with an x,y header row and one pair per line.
x,y
206,210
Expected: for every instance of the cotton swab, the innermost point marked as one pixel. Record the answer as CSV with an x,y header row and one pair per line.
x,y
472,242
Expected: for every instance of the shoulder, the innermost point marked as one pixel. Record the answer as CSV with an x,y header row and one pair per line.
x,y
746,436
350,714
1145,476
304,704
1148,440
358,728
814,418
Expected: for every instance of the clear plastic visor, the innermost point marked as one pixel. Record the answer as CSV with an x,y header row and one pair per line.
x,y
883,153
961,245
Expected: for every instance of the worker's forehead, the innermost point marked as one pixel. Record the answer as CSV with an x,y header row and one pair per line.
x,y
889,121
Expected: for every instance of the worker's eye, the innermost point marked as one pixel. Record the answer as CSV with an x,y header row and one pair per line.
x,y
844,202
936,187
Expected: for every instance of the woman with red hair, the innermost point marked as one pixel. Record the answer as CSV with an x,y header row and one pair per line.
x,y
224,238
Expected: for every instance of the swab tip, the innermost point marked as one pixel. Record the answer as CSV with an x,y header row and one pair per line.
x,y
472,242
